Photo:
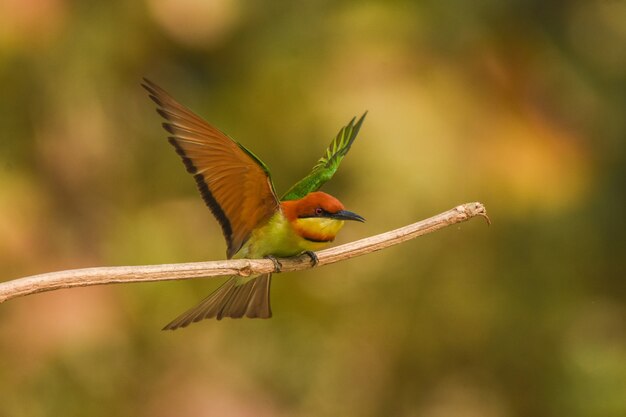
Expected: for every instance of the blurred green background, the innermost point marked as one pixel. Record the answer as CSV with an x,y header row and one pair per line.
x,y
517,104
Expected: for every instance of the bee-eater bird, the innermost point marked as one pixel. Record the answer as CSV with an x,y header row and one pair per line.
x,y
237,188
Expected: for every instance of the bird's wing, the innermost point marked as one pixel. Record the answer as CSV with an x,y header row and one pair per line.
x,y
327,164
233,182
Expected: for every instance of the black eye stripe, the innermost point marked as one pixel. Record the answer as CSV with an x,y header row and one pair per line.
x,y
318,212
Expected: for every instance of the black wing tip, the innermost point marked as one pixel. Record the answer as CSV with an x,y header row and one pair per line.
x,y
191,168
169,128
156,93
162,113
153,91
149,86
156,100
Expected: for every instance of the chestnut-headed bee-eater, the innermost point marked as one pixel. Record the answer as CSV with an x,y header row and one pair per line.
x,y
237,188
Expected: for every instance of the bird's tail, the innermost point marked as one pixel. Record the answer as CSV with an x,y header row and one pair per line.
x,y
237,297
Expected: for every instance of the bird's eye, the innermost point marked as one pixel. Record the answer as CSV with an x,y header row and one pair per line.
x,y
319,211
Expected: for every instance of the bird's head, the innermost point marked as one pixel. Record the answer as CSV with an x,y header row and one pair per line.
x,y
318,216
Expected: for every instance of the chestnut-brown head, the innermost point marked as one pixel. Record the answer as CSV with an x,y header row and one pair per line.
x,y
317,216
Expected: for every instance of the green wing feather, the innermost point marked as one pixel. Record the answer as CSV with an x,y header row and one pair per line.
x,y
327,164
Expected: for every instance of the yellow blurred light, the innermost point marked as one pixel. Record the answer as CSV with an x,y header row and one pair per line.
x,y
535,163
24,21
200,23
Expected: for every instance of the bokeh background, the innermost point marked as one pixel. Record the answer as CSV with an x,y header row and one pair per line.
x,y
517,104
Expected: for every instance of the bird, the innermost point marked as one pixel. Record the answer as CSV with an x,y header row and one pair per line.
x,y
237,188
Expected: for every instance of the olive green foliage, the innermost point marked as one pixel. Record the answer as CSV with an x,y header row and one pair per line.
x,y
519,105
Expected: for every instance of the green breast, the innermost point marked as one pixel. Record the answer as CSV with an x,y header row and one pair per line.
x,y
276,238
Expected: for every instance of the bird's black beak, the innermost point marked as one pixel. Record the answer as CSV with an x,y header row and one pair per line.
x,y
346,215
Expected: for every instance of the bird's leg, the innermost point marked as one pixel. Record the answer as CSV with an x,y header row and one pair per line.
x,y
313,256
277,265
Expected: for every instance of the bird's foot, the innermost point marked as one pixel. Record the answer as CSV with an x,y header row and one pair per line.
x,y
277,265
313,256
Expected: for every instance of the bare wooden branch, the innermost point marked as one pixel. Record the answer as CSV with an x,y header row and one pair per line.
x,y
244,267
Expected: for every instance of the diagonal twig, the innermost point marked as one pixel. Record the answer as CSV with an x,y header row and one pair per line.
x,y
244,267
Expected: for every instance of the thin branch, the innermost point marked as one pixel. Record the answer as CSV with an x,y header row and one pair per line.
x,y
243,267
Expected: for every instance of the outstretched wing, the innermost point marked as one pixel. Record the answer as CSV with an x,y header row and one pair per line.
x,y
328,164
233,182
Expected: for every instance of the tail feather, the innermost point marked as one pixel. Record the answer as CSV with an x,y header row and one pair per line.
x,y
233,299
259,303
235,305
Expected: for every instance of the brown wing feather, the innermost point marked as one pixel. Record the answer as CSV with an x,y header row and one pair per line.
x,y
232,183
